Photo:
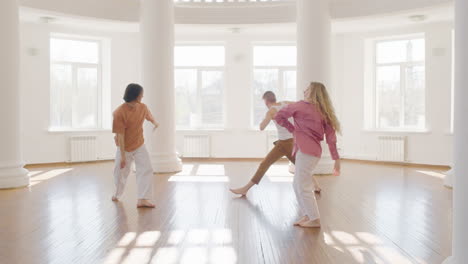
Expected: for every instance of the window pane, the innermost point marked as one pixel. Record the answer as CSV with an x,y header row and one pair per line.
x,y
198,56
61,79
264,80
212,98
415,97
274,56
388,96
418,50
186,96
85,98
392,51
289,80
74,50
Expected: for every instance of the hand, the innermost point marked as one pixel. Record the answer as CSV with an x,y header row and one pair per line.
x,y
123,163
156,125
337,168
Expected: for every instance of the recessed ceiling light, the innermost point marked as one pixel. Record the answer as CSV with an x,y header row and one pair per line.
x,y
417,18
47,19
235,30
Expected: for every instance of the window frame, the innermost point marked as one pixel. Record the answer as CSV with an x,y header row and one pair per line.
x,y
452,84
75,66
281,70
404,65
199,71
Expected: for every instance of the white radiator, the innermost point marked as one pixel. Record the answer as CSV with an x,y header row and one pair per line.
x,y
392,148
83,148
196,146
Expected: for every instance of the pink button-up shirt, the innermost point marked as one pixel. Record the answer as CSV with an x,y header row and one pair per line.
x,y
309,128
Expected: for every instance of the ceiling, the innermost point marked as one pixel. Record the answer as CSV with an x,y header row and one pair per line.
x,y
433,14
248,12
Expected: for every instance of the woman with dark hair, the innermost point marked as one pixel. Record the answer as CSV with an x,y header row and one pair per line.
x,y
128,127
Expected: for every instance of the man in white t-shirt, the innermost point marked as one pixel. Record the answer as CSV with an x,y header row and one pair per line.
x,y
283,147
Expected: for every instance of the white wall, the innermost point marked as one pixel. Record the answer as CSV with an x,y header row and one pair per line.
x,y
239,139
431,147
356,8
40,145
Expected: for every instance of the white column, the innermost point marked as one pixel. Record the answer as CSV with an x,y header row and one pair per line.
x,y
313,55
12,173
157,31
460,195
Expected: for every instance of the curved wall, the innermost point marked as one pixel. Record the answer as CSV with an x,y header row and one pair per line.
x,y
128,10
358,8
124,10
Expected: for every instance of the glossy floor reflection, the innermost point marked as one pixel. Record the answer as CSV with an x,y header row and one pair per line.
x,y
370,214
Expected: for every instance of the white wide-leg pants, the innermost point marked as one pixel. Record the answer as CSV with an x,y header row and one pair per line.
x,y
304,184
144,173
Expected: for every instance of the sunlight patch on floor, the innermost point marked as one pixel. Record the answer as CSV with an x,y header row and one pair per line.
x,y
201,173
199,179
39,177
364,247
200,246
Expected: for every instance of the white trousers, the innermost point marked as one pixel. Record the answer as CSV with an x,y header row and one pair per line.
x,y
144,173
304,184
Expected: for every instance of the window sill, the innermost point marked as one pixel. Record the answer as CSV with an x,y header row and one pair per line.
x,y
396,131
71,130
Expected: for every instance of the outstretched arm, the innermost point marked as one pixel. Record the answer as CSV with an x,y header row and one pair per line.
x,y
268,117
151,119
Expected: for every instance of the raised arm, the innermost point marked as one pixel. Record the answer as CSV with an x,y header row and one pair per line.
x,y
283,115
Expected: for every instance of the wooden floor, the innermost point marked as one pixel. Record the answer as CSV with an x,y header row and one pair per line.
x,y
370,214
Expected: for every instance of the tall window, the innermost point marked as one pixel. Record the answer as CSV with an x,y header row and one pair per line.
x,y
76,99
199,85
400,84
274,70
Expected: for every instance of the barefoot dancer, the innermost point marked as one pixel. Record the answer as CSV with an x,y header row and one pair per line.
x,y
283,147
313,118
128,127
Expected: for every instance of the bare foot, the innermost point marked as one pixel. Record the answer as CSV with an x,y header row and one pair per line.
x,y
145,204
310,224
115,199
303,219
240,191
243,191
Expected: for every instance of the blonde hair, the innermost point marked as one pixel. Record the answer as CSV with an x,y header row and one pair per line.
x,y
319,96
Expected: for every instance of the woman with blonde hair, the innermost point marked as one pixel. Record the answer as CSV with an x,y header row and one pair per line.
x,y
314,117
